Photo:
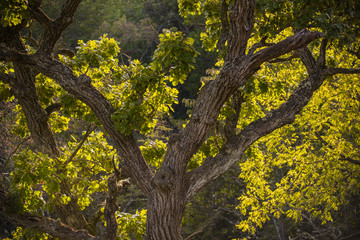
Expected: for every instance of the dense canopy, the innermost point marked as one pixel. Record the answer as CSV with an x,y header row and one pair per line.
x,y
99,113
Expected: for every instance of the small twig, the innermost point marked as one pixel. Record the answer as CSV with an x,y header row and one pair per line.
x,y
342,156
277,60
195,233
356,54
260,44
88,131
321,59
52,108
352,236
13,152
351,160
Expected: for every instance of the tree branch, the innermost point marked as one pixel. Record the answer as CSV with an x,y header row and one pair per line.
x,y
214,94
279,60
54,28
333,71
84,137
225,25
307,59
38,14
260,44
320,63
351,160
110,208
298,40
114,187
65,52
232,150
10,55
50,226
242,20
52,108
81,88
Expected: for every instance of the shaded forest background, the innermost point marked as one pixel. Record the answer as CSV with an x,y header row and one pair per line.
x,y
212,214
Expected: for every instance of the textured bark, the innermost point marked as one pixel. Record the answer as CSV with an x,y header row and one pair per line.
x,y
110,209
164,215
23,87
81,88
232,150
50,226
242,18
115,185
173,185
53,28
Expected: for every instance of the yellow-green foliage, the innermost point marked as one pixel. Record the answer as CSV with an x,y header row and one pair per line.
x,y
300,168
38,176
132,225
12,12
140,94
28,234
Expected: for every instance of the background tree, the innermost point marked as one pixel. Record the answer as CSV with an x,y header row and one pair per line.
x,y
128,100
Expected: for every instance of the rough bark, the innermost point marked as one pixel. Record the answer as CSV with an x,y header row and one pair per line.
x,y
50,226
277,118
164,215
115,185
24,89
53,28
81,88
173,185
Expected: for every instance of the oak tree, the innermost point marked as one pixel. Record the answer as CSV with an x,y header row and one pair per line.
x,y
53,181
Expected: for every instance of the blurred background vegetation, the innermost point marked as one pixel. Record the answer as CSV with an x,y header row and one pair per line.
x,y
212,214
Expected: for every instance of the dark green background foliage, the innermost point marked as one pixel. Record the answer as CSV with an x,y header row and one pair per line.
x,y
150,58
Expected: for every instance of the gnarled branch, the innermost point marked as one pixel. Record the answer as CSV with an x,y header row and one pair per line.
x,y
50,226
333,71
232,150
242,18
260,44
297,41
54,28
38,14
82,89
10,55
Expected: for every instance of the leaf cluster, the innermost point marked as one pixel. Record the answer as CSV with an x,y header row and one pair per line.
x,y
301,168
39,178
12,12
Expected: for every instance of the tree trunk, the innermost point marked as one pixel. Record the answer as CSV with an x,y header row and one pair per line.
x,y
164,215
24,89
280,229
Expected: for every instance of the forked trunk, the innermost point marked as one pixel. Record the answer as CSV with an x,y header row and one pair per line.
x,y
164,215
